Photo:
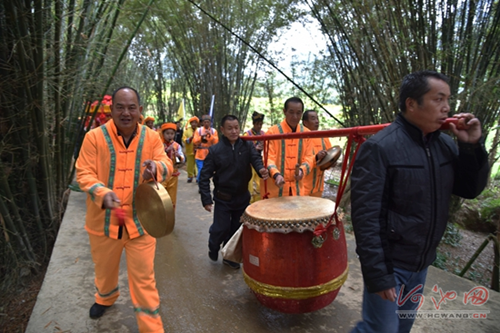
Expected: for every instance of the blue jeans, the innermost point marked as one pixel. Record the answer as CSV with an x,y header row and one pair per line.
x,y
381,315
199,166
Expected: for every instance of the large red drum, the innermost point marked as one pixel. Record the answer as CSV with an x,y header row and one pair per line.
x,y
285,265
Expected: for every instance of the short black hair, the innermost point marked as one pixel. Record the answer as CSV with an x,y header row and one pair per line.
x,y
416,85
126,87
294,100
228,117
305,116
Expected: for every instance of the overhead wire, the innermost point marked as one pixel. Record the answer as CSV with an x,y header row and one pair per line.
x,y
266,60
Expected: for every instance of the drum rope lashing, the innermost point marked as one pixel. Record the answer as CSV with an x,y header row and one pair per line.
x,y
347,165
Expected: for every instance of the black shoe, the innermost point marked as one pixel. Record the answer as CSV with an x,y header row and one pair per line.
x,y
97,310
190,180
231,264
213,255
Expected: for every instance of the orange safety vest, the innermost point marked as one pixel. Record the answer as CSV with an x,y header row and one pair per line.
x,y
106,165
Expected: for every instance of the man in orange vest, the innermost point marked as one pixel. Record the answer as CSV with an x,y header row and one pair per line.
x,y
291,159
314,182
204,137
109,171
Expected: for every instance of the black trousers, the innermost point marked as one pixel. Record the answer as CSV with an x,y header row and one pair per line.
x,y
227,215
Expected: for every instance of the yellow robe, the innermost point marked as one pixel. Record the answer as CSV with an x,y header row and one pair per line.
x,y
187,138
283,156
254,183
314,182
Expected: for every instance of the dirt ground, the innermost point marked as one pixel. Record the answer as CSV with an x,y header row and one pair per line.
x,y
456,257
16,306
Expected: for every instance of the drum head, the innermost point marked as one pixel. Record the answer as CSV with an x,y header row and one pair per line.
x,y
332,155
154,209
286,214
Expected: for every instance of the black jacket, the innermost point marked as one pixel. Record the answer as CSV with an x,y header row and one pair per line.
x,y
230,167
401,190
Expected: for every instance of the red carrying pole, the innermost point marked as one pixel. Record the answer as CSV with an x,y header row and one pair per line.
x,y
358,130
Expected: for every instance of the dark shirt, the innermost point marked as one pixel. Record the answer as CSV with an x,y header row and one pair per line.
x,y
178,137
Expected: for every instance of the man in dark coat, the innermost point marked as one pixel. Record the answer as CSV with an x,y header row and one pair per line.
x,y
229,162
402,182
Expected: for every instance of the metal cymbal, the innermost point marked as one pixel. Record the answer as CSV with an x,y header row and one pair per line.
x,y
332,155
154,209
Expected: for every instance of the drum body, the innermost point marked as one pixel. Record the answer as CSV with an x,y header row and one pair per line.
x,y
284,263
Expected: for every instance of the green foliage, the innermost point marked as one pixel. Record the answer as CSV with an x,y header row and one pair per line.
x,y
452,235
490,209
332,181
441,259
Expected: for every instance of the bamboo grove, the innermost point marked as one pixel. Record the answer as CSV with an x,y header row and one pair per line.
x,y
56,56
374,44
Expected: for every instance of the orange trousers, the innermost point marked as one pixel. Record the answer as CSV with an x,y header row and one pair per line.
x,y
140,254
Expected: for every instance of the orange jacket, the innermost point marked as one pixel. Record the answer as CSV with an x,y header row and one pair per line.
x,y
283,155
202,147
313,182
106,165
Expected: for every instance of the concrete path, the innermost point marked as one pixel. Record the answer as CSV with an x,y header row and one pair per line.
x,y
200,296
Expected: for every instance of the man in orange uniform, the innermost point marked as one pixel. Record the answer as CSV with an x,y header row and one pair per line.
x,y
314,182
174,152
204,137
254,183
291,159
187,138
109,170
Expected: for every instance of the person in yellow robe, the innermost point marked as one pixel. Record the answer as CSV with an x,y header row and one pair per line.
x,y
314,181
187,138
109,169
289,160
254,183
204,137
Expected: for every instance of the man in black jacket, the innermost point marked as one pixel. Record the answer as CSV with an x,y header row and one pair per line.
x,y
402,182
229,162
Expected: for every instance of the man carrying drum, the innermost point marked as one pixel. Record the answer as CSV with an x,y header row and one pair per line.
x,y
402,182
229,162
108,169
291,159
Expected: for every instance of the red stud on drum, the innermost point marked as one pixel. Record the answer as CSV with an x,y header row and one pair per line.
x,y
285,265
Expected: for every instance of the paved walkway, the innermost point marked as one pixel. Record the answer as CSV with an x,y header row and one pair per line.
x,y
200,296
